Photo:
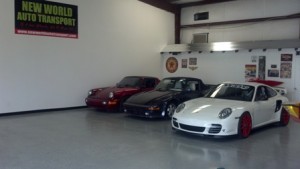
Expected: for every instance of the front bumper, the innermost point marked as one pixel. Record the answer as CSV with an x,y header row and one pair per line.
x,y
144,111
102,104
212,128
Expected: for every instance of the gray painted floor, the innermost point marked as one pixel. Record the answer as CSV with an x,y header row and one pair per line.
x,y
89,139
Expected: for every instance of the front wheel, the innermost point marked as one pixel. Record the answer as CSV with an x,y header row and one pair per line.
x,y
245,125
170,110
121,107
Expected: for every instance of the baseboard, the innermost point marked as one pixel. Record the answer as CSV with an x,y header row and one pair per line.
x,y
41,111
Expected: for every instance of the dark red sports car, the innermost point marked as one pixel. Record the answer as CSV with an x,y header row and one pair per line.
x,y
112,98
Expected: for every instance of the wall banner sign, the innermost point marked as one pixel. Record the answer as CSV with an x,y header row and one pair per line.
x,y
45,18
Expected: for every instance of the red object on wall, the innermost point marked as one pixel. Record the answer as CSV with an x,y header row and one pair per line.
x,y
267,82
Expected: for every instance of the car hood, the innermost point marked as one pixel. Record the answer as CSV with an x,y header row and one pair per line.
x,y
105,92
209,107
151,97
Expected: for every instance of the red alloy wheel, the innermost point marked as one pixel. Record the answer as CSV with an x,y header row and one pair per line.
x,y
284,118
245,125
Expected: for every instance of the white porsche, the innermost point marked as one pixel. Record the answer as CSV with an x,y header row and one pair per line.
x,y
230,109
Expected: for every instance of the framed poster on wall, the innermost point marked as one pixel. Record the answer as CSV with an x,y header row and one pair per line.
x,y
286,66
286,70
192,61
250,72
262,67
184,63
286,57
273,73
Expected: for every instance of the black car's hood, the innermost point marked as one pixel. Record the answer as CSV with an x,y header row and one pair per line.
x,y
151,97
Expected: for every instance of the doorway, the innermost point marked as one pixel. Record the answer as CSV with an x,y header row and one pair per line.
x,y
296,93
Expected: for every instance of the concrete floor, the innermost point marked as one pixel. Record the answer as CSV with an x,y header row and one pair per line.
x,y
89,139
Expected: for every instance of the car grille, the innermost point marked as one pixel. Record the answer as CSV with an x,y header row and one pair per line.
x,y
192,128
216,128
135,110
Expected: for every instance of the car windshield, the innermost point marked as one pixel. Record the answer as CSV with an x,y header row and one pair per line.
x,y
176,84
129,82
230,91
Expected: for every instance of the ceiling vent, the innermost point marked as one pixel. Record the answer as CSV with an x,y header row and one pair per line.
x,y
200,16
200,38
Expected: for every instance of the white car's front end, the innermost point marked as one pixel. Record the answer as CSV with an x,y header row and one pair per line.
x,y
208,116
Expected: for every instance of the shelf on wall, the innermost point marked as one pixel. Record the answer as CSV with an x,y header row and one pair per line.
x,y
233,46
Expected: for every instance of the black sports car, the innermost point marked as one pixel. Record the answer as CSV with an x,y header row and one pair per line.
x,y
167,95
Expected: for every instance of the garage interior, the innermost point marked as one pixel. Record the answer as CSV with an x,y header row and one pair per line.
x,y
44,122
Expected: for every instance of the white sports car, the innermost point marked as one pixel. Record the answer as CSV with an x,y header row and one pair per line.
x,y
230,109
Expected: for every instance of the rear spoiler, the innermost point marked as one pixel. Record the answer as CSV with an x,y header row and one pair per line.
x,y
281,90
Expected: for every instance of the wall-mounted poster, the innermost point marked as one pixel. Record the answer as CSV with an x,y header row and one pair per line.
x,y
287,57
262,67
253,59
193,61
286,70
171,64
45,18
184,63
250,72
273,73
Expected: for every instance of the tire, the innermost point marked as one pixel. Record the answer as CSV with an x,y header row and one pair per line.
x,y
170,110
245,125
284,117
121,107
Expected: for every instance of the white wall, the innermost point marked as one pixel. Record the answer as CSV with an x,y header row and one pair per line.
x,y
217,67
116,38
244,9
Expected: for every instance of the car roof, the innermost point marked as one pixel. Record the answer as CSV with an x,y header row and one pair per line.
x,y
255,84
180,77
143,77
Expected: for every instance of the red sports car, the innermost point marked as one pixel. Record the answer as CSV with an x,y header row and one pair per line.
x,y
112,98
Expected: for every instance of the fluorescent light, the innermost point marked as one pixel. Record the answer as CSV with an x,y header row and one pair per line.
x,y
222,46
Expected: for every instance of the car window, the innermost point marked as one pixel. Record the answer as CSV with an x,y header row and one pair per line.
x,y
176,84
192,86
261,93
271,92
238,92
129,82
149,82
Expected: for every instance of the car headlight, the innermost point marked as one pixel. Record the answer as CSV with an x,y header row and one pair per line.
x,y
90,93
180,107
111,95
225,113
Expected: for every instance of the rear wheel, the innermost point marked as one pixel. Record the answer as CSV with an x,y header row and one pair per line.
x,y
245,125
170,110
284,117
